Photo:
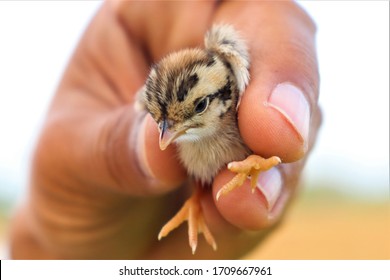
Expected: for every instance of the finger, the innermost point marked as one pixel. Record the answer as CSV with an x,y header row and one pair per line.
x,y
283,96
160,168
283,91
262,208
163,27
274,190
94,132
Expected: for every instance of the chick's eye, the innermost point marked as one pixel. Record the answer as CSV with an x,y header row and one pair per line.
x,y
202,105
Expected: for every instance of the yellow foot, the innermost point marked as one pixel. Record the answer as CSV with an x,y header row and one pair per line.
x,y
192,212
251,166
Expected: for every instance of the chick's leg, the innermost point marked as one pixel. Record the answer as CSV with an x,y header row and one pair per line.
x,y
252,166
191,212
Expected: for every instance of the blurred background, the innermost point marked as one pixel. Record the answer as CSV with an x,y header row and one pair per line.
x,y
343,211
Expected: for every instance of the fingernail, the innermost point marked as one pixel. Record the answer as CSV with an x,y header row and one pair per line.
x,y
140,150
270,185
292,104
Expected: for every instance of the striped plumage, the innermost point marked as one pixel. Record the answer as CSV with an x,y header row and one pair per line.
x,y
195,93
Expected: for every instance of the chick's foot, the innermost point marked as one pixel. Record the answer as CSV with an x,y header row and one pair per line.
x,y
191,212
251,167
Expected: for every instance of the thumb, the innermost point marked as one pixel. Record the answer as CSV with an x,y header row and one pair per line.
x,y
132,156
159,170
115,150
284,89
93,136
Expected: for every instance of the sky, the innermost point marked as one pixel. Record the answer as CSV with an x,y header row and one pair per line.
x,y
352,152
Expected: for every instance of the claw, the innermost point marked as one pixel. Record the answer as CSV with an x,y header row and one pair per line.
x,y
191,212
238,180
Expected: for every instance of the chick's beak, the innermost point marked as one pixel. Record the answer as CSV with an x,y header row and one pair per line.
x,y
167,136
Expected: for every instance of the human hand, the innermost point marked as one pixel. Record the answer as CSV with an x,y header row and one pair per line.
x,y
101,186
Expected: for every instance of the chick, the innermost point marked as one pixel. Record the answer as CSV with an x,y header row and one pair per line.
x,y
193,95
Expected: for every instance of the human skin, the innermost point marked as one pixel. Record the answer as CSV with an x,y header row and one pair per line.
x,y
100,186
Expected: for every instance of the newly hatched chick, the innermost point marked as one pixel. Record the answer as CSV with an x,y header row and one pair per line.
x,y
193,95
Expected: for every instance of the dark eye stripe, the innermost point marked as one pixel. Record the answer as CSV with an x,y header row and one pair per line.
x,y
224,93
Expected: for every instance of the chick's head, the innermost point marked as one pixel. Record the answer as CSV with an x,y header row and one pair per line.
x,y
188,94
